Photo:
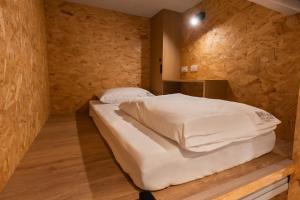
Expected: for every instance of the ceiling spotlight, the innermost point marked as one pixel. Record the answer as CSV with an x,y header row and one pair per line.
x,y
196,19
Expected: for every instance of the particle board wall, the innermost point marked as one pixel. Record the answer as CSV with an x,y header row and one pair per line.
x,y
91,49
254,48
24,98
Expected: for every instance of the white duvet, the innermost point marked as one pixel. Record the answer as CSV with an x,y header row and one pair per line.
x,y
200,124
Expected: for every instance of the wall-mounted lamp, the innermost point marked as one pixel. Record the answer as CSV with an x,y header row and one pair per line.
x,y
196,19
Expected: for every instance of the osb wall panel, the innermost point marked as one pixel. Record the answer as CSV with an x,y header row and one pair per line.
x,y
254,48
91,49
24,98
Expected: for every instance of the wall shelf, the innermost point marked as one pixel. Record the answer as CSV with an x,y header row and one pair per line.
x,y
215,89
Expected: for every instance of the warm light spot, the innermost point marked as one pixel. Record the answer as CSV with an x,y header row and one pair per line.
x,y
194,21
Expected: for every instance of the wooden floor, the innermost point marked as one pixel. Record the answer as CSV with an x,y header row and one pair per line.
x,y
70,161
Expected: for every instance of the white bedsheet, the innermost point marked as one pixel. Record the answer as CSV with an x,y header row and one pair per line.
x,y
154,162
200,124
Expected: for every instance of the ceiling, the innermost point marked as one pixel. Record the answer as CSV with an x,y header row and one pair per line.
x,y
145,8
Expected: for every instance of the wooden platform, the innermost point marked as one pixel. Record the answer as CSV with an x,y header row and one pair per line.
x,y
70,161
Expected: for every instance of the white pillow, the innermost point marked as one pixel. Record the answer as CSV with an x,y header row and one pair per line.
x,y
120,95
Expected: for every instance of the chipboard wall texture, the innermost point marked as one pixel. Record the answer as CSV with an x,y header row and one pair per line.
x,y
91,49
24,92
254,48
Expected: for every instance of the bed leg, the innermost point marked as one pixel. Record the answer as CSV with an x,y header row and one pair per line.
x,y
145,195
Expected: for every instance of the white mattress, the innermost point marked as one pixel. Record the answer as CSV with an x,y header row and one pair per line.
x,y
154,162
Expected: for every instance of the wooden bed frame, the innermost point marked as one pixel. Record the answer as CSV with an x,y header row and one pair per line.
x,y
234,183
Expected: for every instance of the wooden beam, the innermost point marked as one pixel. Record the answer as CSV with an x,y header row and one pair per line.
x,y
245,185
294,187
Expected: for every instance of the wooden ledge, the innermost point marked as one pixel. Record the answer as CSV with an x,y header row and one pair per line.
x,y
247,184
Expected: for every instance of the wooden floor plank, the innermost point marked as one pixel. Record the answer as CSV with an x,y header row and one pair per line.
x,y
70,161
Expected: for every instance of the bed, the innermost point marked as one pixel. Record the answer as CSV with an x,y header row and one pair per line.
x,y
154,162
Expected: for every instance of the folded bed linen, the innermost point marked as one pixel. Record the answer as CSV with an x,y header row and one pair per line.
x,y
200,124
155,162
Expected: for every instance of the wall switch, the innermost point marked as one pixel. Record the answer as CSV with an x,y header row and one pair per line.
x,y
184,69
194,68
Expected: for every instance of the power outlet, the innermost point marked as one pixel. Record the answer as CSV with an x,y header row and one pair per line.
x,y
194,68
184,69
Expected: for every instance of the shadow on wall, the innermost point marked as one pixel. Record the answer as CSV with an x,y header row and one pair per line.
x,y
104,175
84,108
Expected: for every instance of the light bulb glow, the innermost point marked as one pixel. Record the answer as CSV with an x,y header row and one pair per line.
x,y
194,21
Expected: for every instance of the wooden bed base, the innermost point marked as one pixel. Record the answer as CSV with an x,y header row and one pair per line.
x,y
233,183
249,183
